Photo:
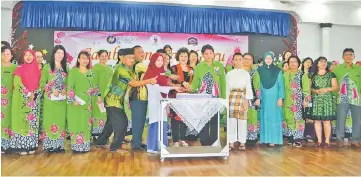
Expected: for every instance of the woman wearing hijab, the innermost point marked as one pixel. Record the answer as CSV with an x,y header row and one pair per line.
x,y
53,82
25,105
155,70
272,95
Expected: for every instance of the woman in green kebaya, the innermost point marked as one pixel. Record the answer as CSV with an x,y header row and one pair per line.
x,y
102,73
81,90
25,105
54,82
7,71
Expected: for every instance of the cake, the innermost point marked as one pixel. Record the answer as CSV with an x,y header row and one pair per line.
x,y
192,96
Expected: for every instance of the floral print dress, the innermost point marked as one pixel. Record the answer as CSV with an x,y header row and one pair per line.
x,y
6,96
324,105
54,111
297,88
81,88
24,118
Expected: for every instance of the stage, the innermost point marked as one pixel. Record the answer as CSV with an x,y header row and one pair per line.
x,y
256,161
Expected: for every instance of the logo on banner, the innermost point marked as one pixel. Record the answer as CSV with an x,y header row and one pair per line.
x,y
126,39
192,41
111,39
155,39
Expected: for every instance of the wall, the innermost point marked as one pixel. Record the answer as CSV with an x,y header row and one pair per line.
x,y
310,40
6,23
345,37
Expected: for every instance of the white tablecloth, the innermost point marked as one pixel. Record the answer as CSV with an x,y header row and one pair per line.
x,y
195,113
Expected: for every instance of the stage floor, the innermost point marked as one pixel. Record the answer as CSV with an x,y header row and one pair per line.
x,y
256,161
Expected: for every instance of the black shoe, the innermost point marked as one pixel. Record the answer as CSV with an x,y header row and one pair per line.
x,y
143,147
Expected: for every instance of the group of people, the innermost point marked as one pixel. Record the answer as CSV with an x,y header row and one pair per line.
x,y
52,101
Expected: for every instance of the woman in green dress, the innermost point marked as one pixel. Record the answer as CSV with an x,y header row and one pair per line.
x,y
309,133
324,107
102,75
25,105
7,71
297,97
252,121
53,82
81,90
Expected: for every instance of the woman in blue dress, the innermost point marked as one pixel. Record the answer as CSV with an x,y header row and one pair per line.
x,y
272,95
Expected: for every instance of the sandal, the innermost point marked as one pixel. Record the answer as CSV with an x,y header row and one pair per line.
x,y
31,152
327,145
119,151
231,146
23,153
176,144
297,145
126,140
317,144
103,146
272,145
184,144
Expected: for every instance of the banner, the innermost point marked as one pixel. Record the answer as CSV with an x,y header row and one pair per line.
x,y
93,41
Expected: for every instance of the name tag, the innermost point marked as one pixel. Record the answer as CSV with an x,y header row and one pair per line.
x,y
162,74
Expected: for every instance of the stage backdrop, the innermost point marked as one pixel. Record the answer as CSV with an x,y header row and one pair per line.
x,y
93,41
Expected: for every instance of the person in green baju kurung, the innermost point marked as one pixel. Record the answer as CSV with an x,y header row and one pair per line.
x,y
252,121
81,90
53,82
209,78
103,74
25,105
7,71
297,97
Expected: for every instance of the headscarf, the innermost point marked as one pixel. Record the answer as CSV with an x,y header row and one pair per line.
x,y
29,72
268,74
154,71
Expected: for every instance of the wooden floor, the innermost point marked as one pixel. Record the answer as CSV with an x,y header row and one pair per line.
x,y
256,161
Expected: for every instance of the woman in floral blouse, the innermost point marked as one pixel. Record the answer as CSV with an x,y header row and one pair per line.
x,y
53,81
7,71
81,90
209,78
297,97
25,105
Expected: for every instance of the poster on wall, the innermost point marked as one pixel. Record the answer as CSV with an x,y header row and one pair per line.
x,y
93,41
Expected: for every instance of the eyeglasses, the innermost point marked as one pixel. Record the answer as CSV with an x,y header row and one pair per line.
x,y
349,54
